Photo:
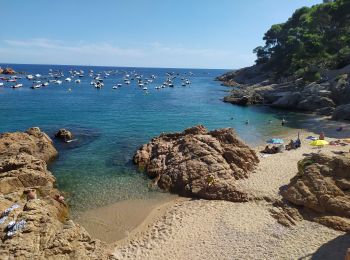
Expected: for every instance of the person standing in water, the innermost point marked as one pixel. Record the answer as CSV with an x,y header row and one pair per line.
x,y
283,121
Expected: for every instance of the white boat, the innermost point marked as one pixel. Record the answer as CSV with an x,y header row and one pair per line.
x,y
1,84
157,87
68,79
17,86
30,77
37,75
119,85
59,82
35,86
144,88
114,87
127,82
45,84
77,81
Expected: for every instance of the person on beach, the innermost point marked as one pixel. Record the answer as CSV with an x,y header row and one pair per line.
x,y
59,198
321,137
31,194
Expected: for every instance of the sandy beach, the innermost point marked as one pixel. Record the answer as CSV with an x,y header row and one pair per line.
x,y
185,228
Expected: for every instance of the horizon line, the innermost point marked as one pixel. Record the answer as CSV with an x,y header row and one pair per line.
x,y
138,67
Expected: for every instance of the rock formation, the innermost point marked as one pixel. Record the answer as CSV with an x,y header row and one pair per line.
x,y
322,189
329,96
64,135
8,71
342,112
26,182
198,163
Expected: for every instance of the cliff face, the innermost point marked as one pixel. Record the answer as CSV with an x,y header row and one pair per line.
x,y
40,227
329,96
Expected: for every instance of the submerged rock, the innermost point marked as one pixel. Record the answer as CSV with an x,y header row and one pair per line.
x,y
64,135
198,163
46,231
322,186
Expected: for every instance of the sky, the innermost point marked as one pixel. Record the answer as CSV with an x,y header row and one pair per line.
x,y
139,33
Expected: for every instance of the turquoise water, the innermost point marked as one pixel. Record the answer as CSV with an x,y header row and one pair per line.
x,y
111,124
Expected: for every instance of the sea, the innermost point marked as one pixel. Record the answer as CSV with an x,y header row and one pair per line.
x,y
111,124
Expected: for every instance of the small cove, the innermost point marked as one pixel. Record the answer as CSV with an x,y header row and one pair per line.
x,y
110,125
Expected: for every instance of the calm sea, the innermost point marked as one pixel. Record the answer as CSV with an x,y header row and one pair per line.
x,y
111,124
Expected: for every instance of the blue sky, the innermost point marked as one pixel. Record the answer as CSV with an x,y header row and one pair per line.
x,y
142,33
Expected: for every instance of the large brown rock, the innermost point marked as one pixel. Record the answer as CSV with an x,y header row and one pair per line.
x,y
33,142
198,163
48,232
322,186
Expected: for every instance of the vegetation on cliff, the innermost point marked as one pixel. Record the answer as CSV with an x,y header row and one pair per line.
x,y
312,40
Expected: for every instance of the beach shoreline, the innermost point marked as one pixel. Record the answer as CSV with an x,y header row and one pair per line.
x,y
162,227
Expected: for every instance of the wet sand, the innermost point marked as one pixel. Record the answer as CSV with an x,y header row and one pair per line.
x,y
116,221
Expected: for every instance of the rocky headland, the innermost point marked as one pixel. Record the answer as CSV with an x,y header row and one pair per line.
x,y
7,71
34,221
329,96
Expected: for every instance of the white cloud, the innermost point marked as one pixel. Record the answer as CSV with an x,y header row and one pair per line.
x,y
156,54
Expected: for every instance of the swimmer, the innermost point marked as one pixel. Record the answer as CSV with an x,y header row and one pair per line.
x,y
283,121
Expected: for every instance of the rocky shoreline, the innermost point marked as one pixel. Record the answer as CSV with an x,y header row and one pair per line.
x,y
286,188
34,218
328,97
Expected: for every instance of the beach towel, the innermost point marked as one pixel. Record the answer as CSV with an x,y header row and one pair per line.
x,y
15,227
8,210
310,137
3,219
